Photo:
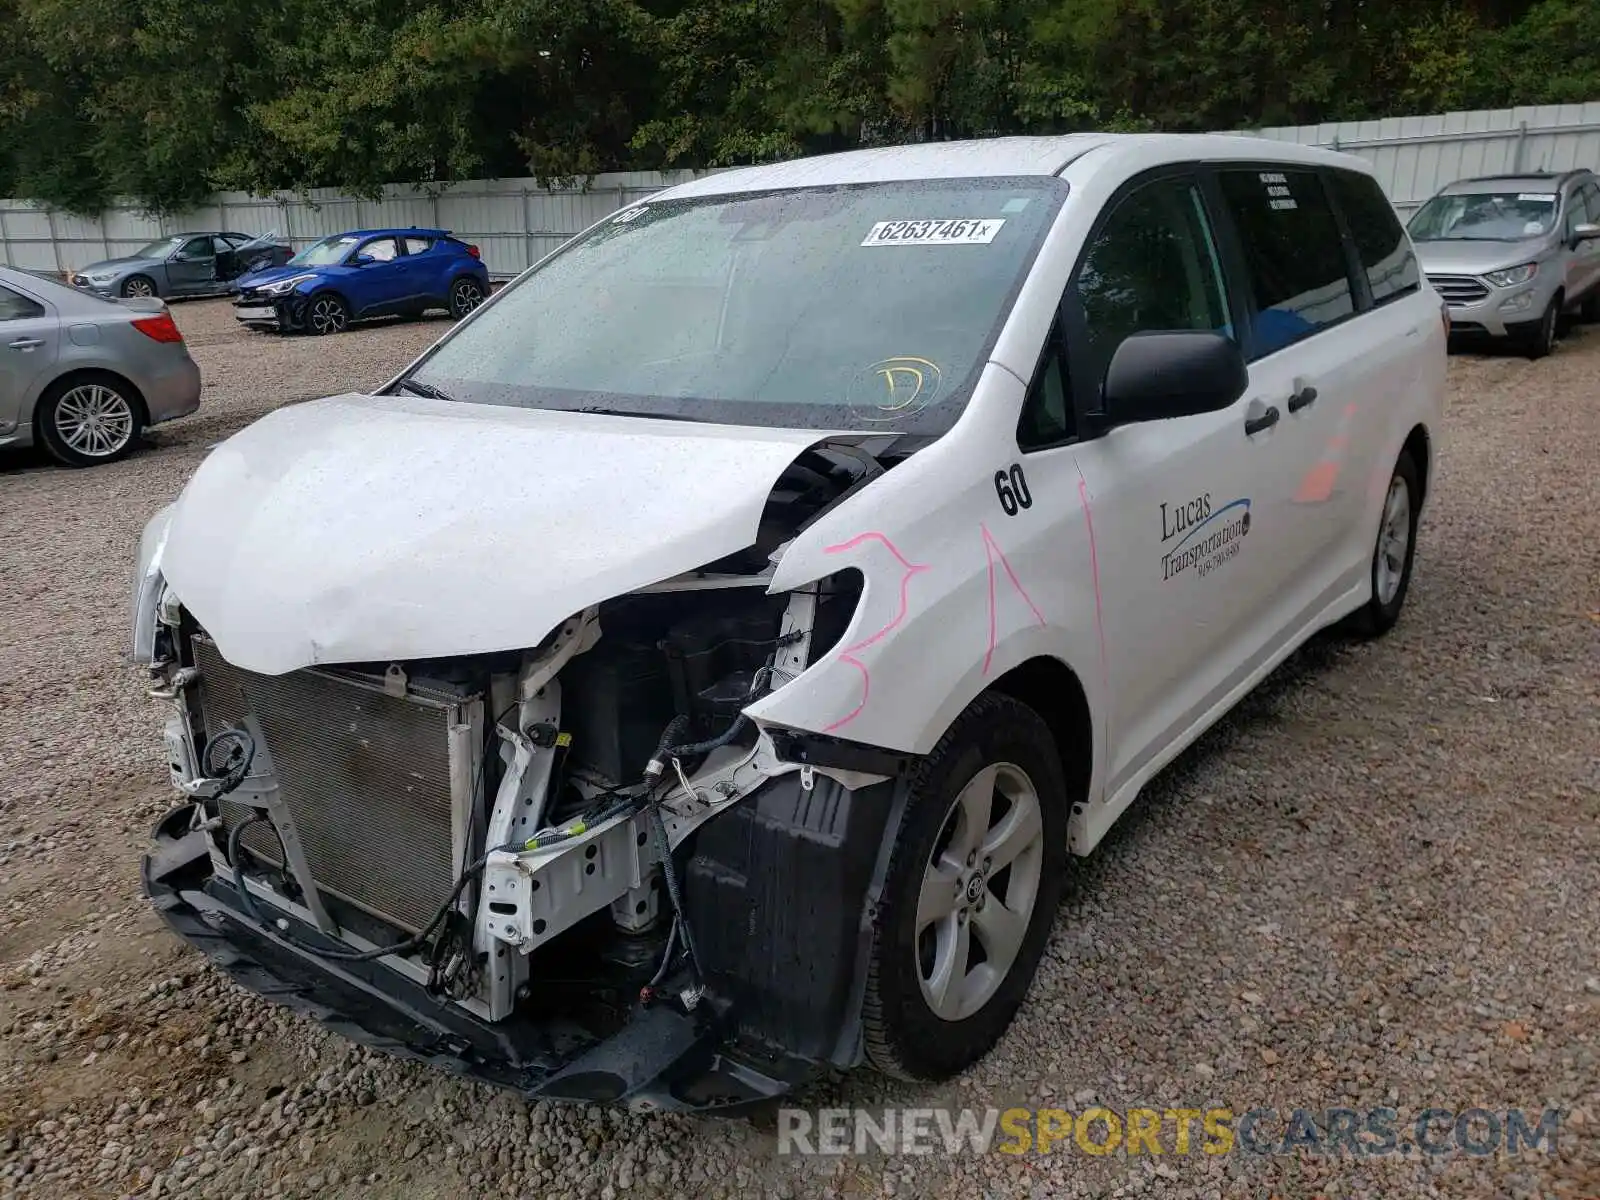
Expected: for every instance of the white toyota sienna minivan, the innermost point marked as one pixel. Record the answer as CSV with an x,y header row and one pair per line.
x,y
696,668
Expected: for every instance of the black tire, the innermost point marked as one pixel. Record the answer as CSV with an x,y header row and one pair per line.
x,y
1542,338
1379,614
138,285
89,419
904,1036
1589,310
466,293
325,313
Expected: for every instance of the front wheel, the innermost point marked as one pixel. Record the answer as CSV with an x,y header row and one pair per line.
x,y
973,881
89,420
327,314
1542,340
465,295
1395,551
138,286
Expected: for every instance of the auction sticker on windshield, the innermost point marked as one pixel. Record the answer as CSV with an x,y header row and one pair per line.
x,y
965,232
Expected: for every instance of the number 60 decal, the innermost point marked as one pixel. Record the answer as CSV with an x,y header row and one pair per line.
x,y
1012,488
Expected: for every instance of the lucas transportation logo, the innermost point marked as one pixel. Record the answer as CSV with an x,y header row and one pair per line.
x,y
1202,537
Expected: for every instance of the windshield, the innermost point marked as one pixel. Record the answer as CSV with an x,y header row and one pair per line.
x,y
1484,216
869,306
325,253
158,249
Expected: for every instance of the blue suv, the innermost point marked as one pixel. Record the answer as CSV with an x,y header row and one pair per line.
x,y
366,273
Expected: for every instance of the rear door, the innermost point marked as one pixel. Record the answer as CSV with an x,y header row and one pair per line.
x,y
425,263
193,268
1307,379
29,343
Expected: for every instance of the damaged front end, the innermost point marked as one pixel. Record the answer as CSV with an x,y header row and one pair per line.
x,y
577,870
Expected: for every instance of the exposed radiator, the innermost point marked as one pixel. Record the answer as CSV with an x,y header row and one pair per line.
x,y
366,775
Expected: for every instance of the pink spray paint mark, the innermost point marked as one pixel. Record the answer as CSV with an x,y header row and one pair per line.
x,y
992,551
848,654
1094,572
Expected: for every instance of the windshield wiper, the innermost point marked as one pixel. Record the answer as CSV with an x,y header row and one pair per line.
x,y
619,412
418,388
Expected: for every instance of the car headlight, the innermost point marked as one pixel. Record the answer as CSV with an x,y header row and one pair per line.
x,y
107,277
147,586
1512,276
282,287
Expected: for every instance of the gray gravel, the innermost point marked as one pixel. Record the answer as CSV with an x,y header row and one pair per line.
x,y
1378,882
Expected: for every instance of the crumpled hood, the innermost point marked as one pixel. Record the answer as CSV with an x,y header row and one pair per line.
x,y
1474,258
270,274
377,528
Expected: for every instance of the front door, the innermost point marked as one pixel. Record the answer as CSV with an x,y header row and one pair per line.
x,y
193,268
1173,503
28,346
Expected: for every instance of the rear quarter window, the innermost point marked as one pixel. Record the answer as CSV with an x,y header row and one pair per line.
x,y
1293,253
1386,254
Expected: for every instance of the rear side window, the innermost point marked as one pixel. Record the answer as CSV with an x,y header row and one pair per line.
x,y
418,245
1386,255
14,306
1293,252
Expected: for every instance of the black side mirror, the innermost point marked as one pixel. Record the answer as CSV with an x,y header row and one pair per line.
x,y
362,260
1156,376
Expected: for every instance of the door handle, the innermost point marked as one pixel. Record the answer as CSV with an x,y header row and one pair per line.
x,y
26,343
1303,398
1254,425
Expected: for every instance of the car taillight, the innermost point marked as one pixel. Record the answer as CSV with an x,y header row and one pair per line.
x,y
473,250
160,328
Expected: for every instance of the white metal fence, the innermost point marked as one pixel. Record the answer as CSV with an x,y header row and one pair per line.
x,y
515,222
1413,157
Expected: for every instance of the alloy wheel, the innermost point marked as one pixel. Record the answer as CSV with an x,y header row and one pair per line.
x,y
94,420
328,315
468,295
138,287
1394,537
979,890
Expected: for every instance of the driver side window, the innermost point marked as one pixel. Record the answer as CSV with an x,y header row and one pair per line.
x,y
381,249
199,247
1152,266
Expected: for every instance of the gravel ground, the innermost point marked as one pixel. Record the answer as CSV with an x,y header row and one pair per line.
x,y
1377,882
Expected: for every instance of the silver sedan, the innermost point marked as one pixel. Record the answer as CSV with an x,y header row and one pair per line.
x,y
84,376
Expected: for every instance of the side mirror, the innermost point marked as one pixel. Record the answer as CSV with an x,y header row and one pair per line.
x,y
362,260
1584,233
1157,376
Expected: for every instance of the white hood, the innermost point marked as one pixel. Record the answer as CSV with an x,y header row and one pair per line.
x,y
377,528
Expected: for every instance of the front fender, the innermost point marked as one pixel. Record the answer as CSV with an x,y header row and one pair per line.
x,y
955,591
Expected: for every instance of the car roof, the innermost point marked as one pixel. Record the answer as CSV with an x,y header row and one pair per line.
x,y
1524,181
994,157
69,301
398,231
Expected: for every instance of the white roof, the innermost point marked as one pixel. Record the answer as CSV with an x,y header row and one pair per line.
x,y
989,157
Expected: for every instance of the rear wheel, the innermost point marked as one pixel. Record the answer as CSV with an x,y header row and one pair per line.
x,y
466,294
972,886
326,313
138,285
1394,552
89,420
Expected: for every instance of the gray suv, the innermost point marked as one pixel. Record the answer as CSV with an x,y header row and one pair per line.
x,y
1511,254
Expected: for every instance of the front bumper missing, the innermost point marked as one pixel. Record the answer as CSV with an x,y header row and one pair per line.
x,y
660,1059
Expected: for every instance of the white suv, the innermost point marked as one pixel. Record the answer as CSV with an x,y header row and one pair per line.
x,y
698,665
